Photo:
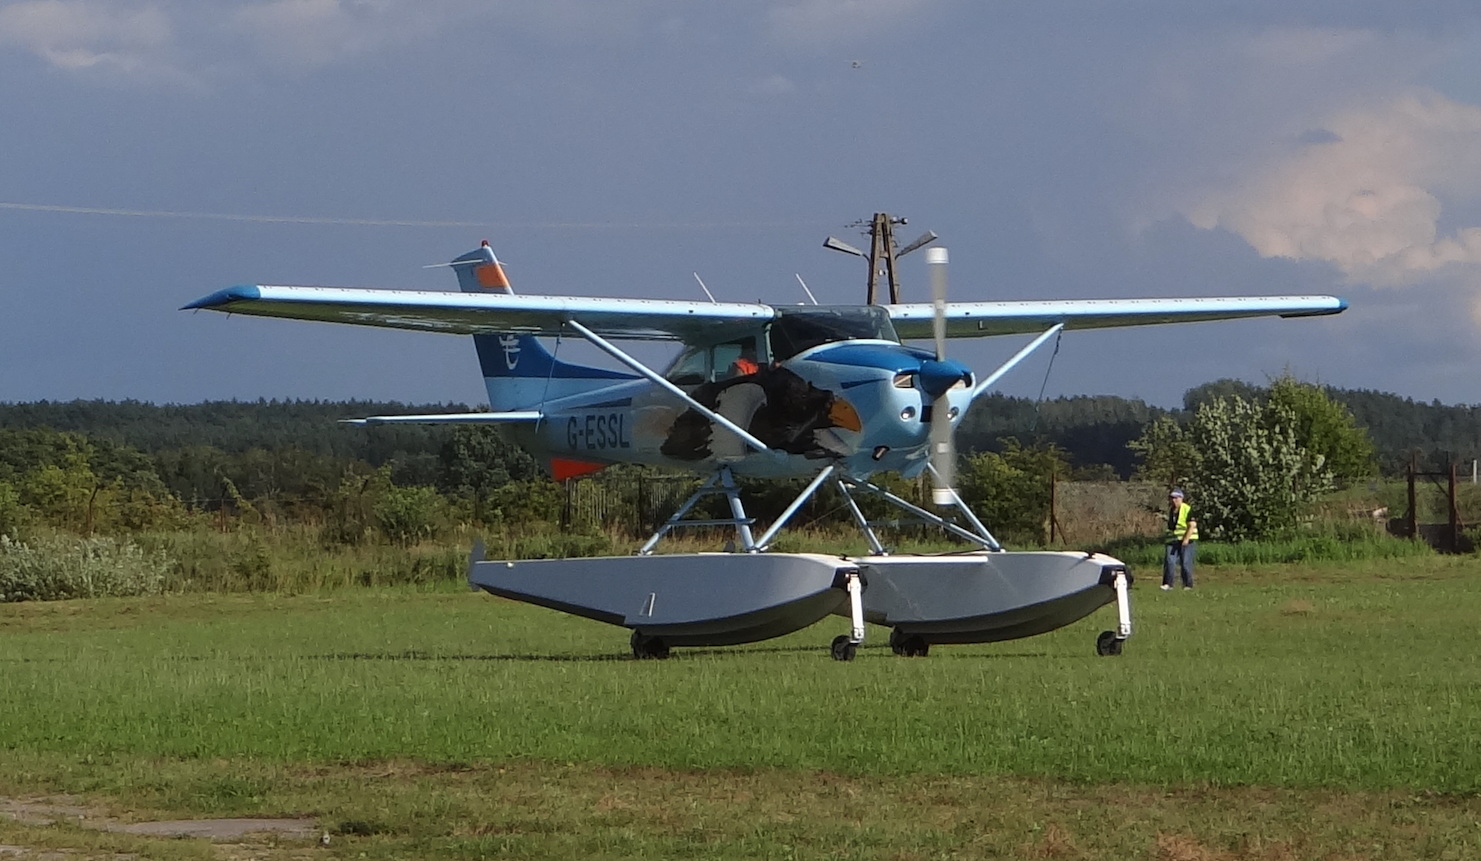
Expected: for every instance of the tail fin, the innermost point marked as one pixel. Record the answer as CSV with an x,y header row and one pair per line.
x,y
517,369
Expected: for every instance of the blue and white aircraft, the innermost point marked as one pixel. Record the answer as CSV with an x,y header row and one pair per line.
x,y
828,392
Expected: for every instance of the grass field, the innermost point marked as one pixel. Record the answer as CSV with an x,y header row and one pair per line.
x,y
1324,711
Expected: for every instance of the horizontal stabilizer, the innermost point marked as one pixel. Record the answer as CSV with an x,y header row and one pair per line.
x,y
451,418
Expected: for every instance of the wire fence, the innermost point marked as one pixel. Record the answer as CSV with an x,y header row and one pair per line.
x,y
636,506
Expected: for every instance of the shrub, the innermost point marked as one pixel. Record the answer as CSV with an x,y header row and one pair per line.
x,y
406,515
13,515
51,569
1010,491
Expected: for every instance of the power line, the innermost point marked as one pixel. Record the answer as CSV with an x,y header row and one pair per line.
x,y
397,222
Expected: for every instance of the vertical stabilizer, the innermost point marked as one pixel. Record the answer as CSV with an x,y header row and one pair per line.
x,y
517,369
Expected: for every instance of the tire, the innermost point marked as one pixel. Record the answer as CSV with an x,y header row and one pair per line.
x,y
1106,645
908,645
648,648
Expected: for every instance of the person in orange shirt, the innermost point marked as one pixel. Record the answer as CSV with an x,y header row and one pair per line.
x,y
746,364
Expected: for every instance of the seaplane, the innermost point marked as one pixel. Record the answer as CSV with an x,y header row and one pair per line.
x,y
831,393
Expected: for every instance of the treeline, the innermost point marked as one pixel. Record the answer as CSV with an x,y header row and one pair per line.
x,y
100,467
1093,431
234,427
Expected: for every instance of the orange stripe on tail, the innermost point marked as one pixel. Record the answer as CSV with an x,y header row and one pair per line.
x,y
491,276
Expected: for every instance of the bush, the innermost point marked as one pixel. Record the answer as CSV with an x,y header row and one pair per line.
x,y
1010,491
406,515
52,569
13,515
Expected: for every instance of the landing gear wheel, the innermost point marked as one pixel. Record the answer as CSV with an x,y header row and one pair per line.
x,y
842,649
645,647
909,645
1107,644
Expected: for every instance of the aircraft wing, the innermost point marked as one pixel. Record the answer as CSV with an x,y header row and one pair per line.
x,y
475,313
981,319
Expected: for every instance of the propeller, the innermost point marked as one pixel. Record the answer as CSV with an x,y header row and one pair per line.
x,y
937,379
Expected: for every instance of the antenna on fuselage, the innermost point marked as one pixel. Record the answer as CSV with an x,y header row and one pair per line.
x,y
704,288
804,288
883,255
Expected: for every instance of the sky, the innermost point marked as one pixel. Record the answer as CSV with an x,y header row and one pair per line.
x,y
155,151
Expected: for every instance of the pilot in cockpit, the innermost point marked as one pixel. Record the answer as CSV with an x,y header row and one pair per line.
x,y
745,364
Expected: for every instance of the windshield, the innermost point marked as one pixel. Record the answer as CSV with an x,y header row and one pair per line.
x,y
802,328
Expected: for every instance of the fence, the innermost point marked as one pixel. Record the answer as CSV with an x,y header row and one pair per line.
x,y
1081,513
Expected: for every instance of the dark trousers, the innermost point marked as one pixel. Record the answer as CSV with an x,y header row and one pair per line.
x,y
1179,558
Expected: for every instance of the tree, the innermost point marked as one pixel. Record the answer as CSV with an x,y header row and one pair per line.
x,y
1010,491
1252,476
1167,456
476,462
13,515
1326,429
1218,390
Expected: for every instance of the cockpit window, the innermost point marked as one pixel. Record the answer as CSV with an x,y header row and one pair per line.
x,y
691,368
721,362
798,329
736,359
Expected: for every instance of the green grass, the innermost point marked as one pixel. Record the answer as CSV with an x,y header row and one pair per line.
x,y
1357,544
1360,684
1348,679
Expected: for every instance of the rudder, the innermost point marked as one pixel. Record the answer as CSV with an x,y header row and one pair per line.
x,y
518,371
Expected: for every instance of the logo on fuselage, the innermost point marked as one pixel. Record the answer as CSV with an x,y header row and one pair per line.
x,y
510,343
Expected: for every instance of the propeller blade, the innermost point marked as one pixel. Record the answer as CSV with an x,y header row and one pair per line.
x,y
943,446
943,453
936,258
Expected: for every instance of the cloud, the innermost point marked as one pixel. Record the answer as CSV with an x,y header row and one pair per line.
x,y
1364,191
825,23
321,32
77,34
772,86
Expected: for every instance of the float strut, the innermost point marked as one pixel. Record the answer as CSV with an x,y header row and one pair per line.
x,y
1123,605
856,607
765,540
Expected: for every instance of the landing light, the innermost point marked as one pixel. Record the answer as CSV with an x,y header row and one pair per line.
x,y
908,413
952,413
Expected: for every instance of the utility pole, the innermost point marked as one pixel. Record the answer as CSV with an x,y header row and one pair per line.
x,y
883,257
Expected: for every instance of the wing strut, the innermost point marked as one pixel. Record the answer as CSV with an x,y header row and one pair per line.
x,y
612,350
1019,356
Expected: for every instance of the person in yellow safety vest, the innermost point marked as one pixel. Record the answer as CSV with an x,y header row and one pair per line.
x,y
1182,541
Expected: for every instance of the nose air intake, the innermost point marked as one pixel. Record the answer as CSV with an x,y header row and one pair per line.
x,y
938,376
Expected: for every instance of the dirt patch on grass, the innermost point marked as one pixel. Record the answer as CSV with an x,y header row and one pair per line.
x,y
52,820
545,810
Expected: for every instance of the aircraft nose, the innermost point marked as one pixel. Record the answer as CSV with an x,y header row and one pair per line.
x,y
938,376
